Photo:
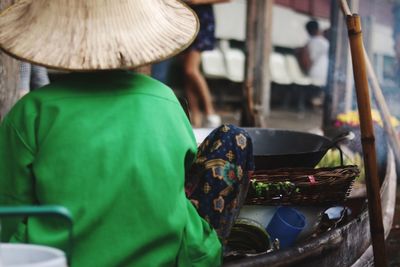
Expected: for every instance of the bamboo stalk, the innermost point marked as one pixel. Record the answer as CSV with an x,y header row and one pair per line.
x,y
367,136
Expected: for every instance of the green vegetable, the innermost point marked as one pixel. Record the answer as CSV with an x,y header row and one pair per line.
x,y
280,188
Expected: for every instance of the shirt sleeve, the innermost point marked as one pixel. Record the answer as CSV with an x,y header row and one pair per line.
x,y
16,179
200,245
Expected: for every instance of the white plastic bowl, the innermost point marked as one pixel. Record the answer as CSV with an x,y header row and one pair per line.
x,y
24,255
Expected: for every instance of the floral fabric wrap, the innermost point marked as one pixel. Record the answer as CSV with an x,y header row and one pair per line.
x,y
217,182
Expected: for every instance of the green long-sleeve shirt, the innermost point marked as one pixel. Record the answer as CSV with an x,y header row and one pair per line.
x,y
113,148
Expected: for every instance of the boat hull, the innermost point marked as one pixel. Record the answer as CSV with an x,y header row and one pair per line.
x,y
348,245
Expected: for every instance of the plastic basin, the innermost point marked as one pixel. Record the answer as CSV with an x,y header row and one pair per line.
x,y
24,255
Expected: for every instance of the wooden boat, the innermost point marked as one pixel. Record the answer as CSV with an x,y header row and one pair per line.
x,y
347,245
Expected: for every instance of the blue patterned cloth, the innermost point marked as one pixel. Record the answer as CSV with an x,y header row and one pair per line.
x,y
218,181
205,39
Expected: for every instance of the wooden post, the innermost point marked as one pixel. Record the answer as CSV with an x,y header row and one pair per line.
x,y
9,72
256,88
338,54
367,136
262,96
247,116
330,87
348,95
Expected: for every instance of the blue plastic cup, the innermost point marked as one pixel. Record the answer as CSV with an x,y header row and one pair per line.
x,y
285,225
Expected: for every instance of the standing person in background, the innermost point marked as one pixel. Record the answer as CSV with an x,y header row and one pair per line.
x,y
196,88
318,51
31,77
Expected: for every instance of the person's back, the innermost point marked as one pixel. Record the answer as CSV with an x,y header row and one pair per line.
x,y
113,149
109,145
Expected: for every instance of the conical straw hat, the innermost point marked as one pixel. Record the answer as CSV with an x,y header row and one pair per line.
x,y
86,35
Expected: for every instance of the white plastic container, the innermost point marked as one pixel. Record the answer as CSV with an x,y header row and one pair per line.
x,y
24,255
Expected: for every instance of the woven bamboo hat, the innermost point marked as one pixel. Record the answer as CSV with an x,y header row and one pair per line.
x,y
86,35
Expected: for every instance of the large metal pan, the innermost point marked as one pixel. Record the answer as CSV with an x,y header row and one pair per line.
x,y
273,148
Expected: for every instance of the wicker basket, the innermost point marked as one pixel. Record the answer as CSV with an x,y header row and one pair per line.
x,y
298,186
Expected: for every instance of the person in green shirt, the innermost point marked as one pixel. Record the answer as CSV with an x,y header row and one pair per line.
x,y
110,145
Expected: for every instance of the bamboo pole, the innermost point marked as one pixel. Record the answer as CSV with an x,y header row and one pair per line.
x,y
367,136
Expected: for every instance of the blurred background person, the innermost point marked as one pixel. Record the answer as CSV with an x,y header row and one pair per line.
x,y
318,51
196,87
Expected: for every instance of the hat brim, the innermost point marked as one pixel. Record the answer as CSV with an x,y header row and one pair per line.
x,y
87,36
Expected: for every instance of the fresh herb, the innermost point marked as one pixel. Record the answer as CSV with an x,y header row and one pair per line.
x,y
278,188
